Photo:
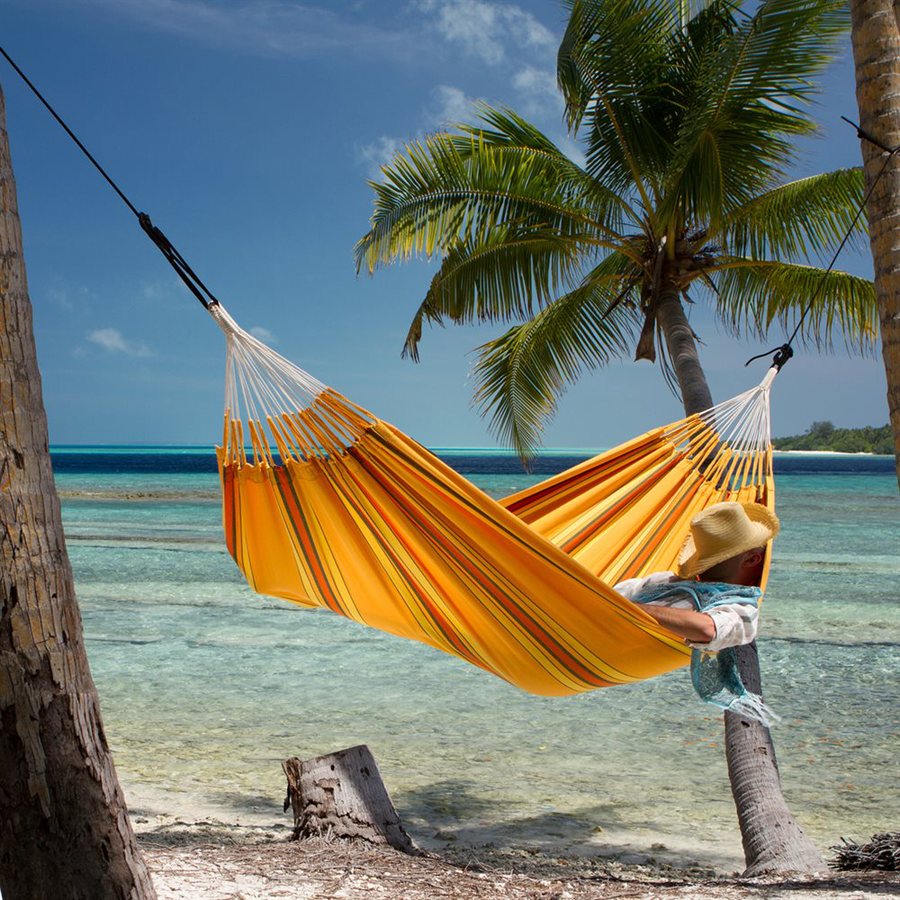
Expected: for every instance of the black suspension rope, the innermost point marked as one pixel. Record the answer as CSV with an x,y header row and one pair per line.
x,y
786,351
176,260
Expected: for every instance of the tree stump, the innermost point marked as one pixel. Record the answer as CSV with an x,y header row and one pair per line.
x,y
342,795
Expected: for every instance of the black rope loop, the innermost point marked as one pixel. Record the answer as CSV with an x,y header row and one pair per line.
x,y
178,263
865,136
782,355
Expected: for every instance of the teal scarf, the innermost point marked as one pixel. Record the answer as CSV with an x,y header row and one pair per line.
x,y
715,675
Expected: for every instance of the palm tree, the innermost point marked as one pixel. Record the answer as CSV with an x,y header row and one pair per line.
x,y
65,830
688,132
876,50
687,117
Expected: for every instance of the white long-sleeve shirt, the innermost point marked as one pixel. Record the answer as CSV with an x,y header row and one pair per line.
x,y
735,623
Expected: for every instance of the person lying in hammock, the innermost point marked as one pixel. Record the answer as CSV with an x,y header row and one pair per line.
x,y
712,601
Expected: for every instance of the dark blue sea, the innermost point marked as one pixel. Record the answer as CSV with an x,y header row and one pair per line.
x,y
207,686
80,460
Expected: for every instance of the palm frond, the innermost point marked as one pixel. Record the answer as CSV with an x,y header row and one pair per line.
x,y
520,375
435,196
612,69
611,49
806,217
506,128
508,275
756,295
745,98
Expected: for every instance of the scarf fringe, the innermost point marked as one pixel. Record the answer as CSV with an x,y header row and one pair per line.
x,y
716,676
751,706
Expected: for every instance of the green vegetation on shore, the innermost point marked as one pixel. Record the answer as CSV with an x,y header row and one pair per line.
x,y
824,436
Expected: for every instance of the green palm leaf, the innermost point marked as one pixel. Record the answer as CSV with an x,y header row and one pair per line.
x,y
612,71
507,129
520,375
756,295
508,275
435,196
801,218
744,101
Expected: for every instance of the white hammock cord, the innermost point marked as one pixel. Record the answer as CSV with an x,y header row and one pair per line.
x,y
260,383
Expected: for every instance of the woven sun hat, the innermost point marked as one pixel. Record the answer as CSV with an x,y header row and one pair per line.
x,y
724,530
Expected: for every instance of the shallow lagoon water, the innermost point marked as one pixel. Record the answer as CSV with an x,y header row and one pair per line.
x,y
206,686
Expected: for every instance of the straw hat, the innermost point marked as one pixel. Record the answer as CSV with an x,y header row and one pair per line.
x,y
724,530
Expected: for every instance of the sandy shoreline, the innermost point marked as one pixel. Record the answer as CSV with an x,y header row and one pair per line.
x,y
213,861
829,452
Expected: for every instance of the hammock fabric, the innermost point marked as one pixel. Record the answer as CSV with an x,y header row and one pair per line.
x,y
328,506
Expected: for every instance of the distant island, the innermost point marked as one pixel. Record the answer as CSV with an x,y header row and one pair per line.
x,y
824,436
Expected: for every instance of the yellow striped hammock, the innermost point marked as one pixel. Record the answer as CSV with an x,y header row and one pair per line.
x,y
326,505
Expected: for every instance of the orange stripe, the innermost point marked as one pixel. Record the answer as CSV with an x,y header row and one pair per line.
x,y
303,534
577,668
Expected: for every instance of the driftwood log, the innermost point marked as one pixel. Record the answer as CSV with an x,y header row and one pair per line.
x,y
342,795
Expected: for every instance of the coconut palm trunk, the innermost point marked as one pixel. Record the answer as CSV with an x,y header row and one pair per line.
x,y
682,346
65,833
772,838
876,52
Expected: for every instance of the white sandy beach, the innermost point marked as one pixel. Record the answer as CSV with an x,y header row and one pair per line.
x,y
823,453
208,861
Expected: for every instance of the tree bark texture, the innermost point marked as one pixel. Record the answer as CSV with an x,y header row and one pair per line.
x,y
64,831
876,53
342,795
682,347
772,838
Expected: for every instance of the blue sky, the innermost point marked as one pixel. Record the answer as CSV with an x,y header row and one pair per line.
x,y
248,130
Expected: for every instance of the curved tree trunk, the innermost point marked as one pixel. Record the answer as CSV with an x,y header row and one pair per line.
x,y
773,840
876,52
65,833
682,347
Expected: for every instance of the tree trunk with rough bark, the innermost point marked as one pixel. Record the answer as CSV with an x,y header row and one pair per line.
x,y
876,52
682,347
342,795
64,831
773,840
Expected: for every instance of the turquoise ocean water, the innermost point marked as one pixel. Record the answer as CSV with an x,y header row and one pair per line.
x,y
206,686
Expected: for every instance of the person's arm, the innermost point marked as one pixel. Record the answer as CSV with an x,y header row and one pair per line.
x,y
695,627
735,624
631,587
725,626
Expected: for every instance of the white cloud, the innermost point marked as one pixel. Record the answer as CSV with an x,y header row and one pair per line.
x,y
154,291
60,297
486,30
539,94
571,148
378,153
113,341
263,334
67,298
451,106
